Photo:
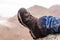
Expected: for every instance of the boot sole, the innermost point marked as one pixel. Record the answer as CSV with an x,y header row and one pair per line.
x,y
21,19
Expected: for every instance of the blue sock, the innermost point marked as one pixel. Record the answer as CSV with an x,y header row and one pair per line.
x,y
50,24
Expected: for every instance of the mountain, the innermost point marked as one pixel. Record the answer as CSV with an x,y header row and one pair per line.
x,y
3,18
55,10
56,7
37,11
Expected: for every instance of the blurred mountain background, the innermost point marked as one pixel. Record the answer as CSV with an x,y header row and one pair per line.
x,y
11,29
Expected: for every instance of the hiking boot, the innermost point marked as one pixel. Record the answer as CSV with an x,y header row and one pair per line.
x,y
31,22
26,19
41,27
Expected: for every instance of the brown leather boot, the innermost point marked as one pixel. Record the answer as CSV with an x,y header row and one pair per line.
x,y
26,19
31,22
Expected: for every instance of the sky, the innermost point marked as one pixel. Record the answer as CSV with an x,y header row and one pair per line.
x,y
9,8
